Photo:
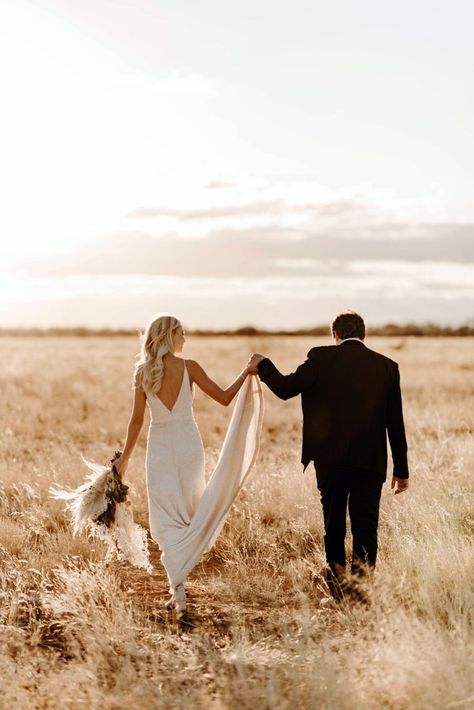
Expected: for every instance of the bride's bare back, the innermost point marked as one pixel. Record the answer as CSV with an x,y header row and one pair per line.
x,y
172,380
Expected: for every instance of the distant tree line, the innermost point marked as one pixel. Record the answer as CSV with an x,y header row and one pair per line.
x,y
388,330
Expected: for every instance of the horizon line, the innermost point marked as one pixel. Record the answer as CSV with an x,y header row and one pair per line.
x,y
427,328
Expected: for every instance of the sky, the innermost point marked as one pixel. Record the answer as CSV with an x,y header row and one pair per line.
x,y
236,163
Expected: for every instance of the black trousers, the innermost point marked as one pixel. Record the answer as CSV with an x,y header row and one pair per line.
x,y
342,487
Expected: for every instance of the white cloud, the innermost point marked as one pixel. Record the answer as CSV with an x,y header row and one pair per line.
x,y
433,274
384,291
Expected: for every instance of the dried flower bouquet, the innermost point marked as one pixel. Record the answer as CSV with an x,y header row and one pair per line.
x,y
99,506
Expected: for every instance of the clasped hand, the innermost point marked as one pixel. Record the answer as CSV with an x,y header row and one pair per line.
x,y
252,364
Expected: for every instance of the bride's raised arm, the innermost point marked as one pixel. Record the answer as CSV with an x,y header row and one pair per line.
x,y
201,378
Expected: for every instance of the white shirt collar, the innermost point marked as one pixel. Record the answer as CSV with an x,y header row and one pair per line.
x,y
346,339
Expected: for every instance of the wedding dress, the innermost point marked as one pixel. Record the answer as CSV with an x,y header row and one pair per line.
x,y
186,514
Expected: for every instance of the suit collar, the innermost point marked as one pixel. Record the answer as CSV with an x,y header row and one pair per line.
x,y
352,340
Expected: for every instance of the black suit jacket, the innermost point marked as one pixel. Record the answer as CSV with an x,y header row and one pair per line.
x,y
351,399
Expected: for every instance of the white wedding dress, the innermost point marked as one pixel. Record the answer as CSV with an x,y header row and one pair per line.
x,y
186,514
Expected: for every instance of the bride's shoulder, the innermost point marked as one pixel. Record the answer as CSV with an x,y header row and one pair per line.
x,y
192,365
195,371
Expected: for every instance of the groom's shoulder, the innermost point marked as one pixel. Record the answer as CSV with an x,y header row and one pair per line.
x,y
383,358
321,351
329,351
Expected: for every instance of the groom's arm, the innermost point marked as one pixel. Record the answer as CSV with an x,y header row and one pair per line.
x,y
287,386
396,427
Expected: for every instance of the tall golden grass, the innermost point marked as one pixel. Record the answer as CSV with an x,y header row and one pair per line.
x,y
77,633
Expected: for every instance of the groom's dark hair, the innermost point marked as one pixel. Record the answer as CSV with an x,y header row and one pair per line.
x,y
348,325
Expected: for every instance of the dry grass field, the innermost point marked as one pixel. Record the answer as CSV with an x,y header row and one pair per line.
x,y
77,633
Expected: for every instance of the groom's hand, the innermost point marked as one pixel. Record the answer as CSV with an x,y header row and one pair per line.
x,y
399,484
253,363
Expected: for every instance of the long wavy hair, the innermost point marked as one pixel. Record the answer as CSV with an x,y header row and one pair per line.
x,y
156,341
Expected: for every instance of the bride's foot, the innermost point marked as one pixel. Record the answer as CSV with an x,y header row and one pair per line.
x,y
177,601
180,599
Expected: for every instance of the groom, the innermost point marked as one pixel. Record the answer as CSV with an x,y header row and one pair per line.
x,y
351,399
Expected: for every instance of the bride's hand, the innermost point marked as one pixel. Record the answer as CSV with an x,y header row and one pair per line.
x,y
252,365
121,466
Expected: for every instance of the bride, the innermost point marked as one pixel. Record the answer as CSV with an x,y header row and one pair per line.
x,y
186,514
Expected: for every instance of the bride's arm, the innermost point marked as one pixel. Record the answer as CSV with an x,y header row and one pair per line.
x,y
202,379
134,427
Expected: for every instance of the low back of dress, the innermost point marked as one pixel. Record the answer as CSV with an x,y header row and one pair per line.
x,y
182,409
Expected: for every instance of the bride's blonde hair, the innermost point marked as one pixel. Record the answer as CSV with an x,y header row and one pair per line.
x,y
156,341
